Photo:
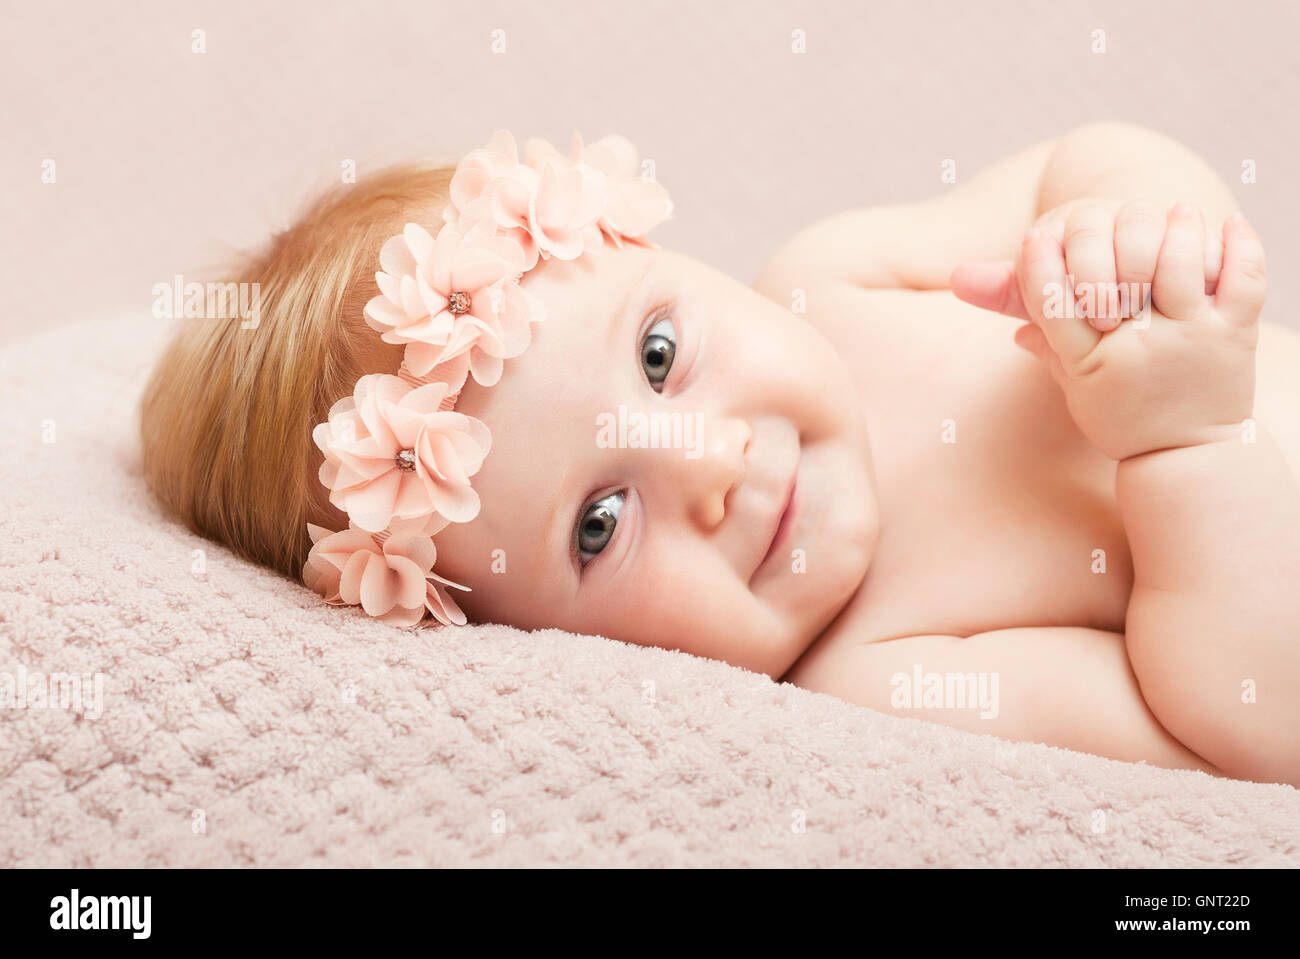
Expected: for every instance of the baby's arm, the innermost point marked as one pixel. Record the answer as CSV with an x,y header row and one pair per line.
x,y
1213,624
1066,687
918,245
1210,507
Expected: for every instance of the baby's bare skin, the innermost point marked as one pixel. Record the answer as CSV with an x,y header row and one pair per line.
x,y
988,484
1004,522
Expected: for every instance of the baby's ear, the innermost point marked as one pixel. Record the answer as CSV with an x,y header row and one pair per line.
x,y
989,284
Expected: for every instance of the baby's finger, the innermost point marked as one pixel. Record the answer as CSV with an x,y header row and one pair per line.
x,y
1090,261
1213,260
991,285
1053,221
1044,291
1030,337
1178,290
1243,283
1139,230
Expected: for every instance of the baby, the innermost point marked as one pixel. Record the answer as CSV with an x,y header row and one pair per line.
x,y
1064,510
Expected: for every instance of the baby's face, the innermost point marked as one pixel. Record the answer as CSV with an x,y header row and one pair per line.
x,y
586,527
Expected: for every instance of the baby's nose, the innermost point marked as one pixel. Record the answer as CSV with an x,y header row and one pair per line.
x,y
708,473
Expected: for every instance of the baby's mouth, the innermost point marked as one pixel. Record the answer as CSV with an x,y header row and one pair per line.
x,y
784,519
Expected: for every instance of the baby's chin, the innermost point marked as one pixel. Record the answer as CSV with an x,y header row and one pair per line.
x,y
825,555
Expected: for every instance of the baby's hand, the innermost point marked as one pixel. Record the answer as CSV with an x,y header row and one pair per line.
x,y
1109,244
1175,368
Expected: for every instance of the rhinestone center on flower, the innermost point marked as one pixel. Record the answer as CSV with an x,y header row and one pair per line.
x,y
405,460
458,303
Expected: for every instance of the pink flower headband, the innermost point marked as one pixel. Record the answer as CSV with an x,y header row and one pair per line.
x,y
398,458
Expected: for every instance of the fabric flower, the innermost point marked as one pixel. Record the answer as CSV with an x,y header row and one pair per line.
x,y
420,275
634,205
499,159
550,210
392,453
394,582
455,301
479,344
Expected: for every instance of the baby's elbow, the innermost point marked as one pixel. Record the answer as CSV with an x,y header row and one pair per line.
x,y
1118,136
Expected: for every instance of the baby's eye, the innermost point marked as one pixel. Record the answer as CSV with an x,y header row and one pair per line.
x,y
596,525
657,351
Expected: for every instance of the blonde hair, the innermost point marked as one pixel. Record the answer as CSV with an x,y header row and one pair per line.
x,y
227,416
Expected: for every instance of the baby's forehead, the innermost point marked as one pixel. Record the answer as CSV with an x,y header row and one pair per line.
x,y
585,305
589,289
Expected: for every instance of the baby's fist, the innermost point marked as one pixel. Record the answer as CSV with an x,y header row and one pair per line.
x,y
1111,248
1183,372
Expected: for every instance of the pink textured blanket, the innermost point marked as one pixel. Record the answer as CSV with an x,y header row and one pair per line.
x,y
224,716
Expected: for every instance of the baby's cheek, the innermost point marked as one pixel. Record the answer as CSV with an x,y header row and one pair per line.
x,y
784,366
686,597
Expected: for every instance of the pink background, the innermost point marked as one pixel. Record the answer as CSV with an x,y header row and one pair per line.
x,y
167,160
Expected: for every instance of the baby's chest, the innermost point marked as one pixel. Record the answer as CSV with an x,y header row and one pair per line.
x,y
996,512
998,545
